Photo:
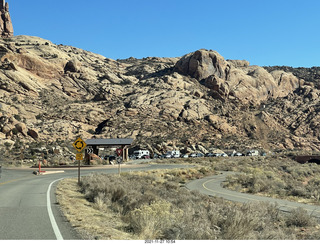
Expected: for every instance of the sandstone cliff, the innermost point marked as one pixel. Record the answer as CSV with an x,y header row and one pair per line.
x,y
6,28
51,93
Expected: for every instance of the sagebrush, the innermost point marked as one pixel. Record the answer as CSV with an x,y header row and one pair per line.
x,y
157,206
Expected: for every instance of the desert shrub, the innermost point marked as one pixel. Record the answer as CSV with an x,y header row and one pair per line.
x,y
154,208
150,221
278,177
300,218
239,223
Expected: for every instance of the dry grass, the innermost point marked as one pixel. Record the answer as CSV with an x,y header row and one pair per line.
x,y
90,219
153,205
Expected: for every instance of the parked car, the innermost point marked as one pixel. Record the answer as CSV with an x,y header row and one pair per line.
x,y
184,156
173,154
193,155
141,154
224,155
253,153
199,155
209,155
110,157
238,154
155,155
167,155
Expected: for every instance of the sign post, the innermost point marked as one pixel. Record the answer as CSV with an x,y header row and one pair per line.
x,y
119,159
79,145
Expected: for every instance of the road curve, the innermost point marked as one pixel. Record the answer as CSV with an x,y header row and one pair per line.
x,y
28,207
212,186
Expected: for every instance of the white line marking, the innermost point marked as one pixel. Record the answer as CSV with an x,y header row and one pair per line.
x,y
51,216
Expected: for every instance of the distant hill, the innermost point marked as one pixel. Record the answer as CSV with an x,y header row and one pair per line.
x,y
51,93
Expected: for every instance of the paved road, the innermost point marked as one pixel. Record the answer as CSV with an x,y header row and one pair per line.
x,y
28,206
212,186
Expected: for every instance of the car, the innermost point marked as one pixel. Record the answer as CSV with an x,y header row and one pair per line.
x,y
132,157
184,156
238,154
199,155
216,154
224,155
155,155
209,155
168,155
193,155
110,157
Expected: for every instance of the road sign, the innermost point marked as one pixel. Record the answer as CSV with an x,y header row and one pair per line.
x,y
119,160
79,144
89,150
79,156
119,151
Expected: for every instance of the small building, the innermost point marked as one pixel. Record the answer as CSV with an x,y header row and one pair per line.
x,y
93,146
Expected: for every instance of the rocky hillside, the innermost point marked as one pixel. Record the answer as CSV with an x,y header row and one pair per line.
x,y
51,93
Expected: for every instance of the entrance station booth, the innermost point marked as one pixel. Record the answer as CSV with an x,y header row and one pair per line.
x,y
93,146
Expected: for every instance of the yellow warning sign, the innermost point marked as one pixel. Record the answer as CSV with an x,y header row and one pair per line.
x,y
79,156
79,144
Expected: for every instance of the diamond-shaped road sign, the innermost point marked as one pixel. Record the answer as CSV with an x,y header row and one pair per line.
x,y
79,144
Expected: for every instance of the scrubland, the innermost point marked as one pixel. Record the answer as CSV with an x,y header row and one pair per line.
x,y
156,205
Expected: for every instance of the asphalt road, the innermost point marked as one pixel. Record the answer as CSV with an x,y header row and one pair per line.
x,y
28,206
212,186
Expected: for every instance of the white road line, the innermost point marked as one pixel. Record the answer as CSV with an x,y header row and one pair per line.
x,y
51,216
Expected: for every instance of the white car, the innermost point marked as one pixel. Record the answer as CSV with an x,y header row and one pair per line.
x,y
193,155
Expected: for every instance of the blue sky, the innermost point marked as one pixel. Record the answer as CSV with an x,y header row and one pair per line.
x,y
281,32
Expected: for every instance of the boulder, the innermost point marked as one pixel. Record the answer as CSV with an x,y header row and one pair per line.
x,y
33,133
22,128
202,64
236,78
71,66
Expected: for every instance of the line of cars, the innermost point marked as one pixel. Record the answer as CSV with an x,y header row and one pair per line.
x,y
144,154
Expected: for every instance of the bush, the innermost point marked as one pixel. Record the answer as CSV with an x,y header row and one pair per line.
x,y
300,218
150,221
153,208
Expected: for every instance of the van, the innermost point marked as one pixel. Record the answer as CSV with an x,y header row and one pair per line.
x,y
173,154
253,153
139,154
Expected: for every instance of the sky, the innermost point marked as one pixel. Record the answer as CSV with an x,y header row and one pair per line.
x,y
266,33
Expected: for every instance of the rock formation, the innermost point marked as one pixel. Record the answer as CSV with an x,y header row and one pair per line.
x,y
51,93
6,28
249,84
